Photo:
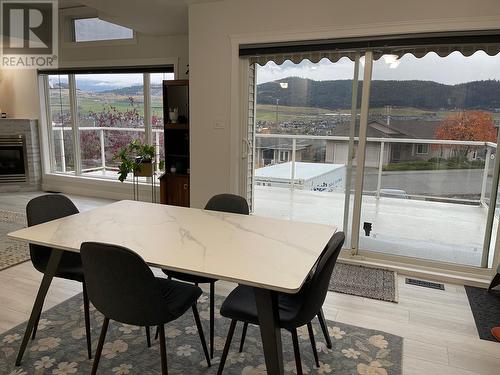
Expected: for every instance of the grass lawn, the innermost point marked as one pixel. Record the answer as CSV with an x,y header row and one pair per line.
x,y
267,112
97,102
421,165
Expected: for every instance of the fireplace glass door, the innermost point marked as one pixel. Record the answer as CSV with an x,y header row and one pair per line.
x,y
12,163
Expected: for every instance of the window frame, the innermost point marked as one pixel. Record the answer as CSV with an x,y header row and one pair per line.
x,y
426,152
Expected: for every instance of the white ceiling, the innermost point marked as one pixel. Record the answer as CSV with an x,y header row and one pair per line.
x,y
154,17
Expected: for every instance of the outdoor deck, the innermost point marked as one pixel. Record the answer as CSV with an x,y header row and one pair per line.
x,y
438,231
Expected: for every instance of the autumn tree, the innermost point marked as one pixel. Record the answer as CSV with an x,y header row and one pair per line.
x,y
467,126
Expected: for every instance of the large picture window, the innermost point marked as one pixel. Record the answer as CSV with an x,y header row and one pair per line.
x,y
100,113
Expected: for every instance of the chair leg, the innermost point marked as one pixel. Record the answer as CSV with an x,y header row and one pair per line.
x,y
36,326
226,346
86,314
163,350
322,323
202,335
313,343
243,335
296,351
156,334
100,345
212,318
50,271
494,282
148,336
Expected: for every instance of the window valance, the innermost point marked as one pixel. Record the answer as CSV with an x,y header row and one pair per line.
x,y
418,45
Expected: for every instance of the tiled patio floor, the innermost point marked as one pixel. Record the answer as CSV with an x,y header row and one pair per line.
x,y
445,232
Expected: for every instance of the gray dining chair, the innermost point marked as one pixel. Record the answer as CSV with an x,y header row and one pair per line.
x,y
295,310
123,288
41,210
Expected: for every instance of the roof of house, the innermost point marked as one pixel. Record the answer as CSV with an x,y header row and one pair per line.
x,y
418,129
303,171
281,143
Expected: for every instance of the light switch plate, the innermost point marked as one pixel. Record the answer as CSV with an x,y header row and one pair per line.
x,y
219,124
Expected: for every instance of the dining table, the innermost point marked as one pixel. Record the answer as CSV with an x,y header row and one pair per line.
x,y
271,255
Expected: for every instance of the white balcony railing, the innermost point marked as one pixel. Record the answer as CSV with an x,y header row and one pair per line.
x,y
488,148
383,142
59,130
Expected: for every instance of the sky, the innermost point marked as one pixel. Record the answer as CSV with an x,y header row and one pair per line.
x,y
453,69
123,80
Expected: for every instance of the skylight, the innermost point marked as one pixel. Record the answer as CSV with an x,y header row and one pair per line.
x,y
95,29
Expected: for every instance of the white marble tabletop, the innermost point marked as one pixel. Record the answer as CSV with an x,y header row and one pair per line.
x,y
251,250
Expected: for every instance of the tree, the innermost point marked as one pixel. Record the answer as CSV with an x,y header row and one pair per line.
x,y
111,117
467,126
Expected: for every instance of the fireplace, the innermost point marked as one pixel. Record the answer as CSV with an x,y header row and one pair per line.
x,y
12,159
20,164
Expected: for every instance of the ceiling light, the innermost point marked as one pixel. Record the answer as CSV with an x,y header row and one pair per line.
x,y
391,60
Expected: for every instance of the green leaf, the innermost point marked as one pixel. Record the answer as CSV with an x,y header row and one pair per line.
x,y
128,154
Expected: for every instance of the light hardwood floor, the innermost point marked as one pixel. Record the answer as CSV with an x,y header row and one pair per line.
x,y
438,328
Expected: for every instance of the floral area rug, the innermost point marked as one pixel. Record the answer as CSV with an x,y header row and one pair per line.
x,y
60,348
12,252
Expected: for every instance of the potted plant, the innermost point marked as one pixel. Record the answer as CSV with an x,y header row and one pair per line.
x,y
136,158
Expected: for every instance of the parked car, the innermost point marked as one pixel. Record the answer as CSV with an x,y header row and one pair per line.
x,y
394,193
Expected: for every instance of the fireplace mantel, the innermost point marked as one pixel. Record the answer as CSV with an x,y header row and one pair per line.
x,y
29,130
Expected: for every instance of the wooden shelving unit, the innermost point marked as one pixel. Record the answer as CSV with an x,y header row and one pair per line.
x,y
174,186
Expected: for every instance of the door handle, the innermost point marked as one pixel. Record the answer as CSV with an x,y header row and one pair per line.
x,y
247,146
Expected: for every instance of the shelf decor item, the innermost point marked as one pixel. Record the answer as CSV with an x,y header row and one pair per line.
x,y
173,115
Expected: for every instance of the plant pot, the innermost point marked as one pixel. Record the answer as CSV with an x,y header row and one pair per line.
x,y
145,169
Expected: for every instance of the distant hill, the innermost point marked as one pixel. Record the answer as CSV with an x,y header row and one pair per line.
x,y
156,89
336,94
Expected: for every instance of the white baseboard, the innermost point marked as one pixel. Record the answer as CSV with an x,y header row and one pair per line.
x,y
95,187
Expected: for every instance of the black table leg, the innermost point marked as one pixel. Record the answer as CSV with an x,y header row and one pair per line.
x,y
267,308
50,271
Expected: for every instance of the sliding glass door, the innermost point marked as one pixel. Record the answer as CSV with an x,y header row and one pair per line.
x,y
431,144
397,150
304,146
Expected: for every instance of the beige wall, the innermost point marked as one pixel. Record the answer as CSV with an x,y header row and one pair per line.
x,y
19,88
146,47
216,29
19,93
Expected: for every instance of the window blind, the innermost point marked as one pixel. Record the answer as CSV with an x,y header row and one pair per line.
x,y
110,70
